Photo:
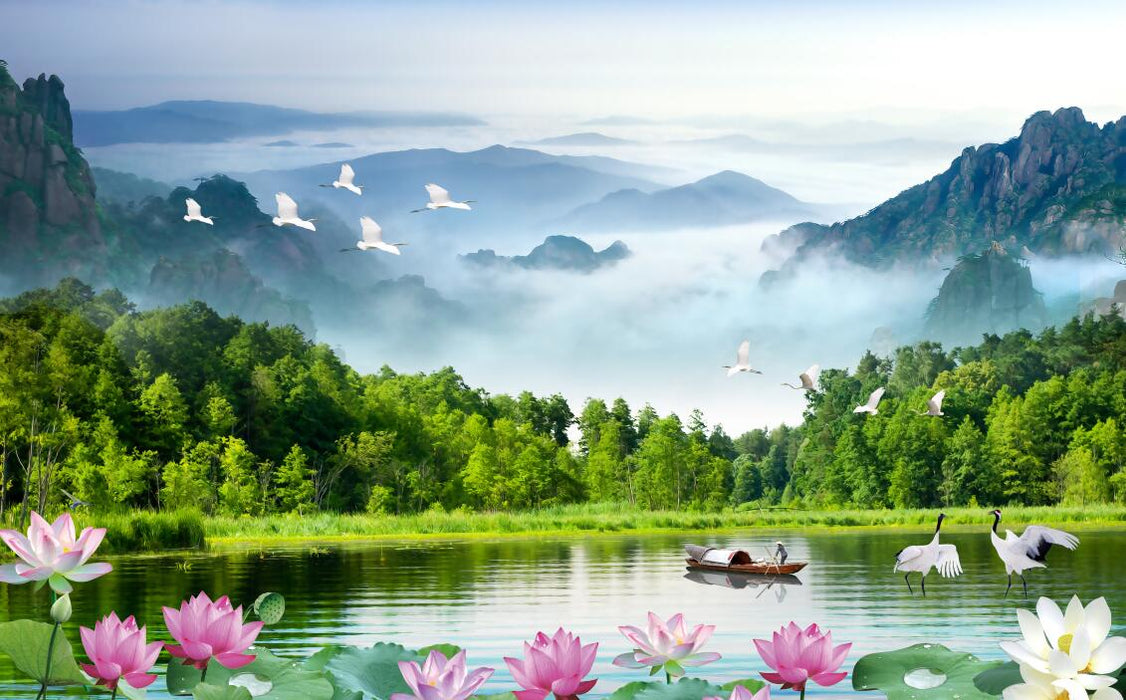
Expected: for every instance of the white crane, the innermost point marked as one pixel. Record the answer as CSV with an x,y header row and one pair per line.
x,y
807,378
287,213
440,199
344,181
872,404
373,239
934,406
923,558
742,361
1029,550
195,213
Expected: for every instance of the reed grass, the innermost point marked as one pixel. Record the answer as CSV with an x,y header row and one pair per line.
x,y
147,531
619,517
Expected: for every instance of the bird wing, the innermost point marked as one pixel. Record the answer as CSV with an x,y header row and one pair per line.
x,y
935,404
1038,539
874,398
438,195
193,208
743,355
287,208
346,174
371,231
906,555
811,376
948,564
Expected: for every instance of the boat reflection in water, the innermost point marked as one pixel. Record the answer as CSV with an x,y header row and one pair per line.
x,y
732,579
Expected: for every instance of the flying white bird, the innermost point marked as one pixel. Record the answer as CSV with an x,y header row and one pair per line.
x,y
1029,550
873,402
195,213
287,213
923,558
347,175
373,239
808,379
440,199
934,406
742,361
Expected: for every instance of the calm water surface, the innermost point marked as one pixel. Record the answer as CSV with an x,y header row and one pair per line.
x,y
489,596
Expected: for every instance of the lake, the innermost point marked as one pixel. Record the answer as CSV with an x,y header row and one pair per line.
x,y
490,595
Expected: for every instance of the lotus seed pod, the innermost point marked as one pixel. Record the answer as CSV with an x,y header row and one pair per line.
x,y
270,607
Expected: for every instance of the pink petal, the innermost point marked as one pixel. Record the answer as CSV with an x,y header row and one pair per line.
x,y
700,659
773,678
586,686
88,572
516,668
766,651
9,573
20,545
411,673
828,679
530,694
628,660
232,660
140,680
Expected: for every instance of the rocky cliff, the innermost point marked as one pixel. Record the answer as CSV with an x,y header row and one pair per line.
x,y
1058,188
47,212
555,253
990,292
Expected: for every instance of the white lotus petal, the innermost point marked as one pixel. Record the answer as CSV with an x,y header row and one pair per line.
x,y
1033,632
1109,656
1051,618
1020,653
1097,621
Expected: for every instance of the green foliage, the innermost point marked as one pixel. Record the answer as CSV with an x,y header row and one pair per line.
x,y
142,531
886,672
26,642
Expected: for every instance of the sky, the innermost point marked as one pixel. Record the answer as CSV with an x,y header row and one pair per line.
x,y
898,61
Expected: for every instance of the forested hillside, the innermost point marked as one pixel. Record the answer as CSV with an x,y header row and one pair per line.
x,y
180,407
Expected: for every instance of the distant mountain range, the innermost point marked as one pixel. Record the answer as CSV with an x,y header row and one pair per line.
x,y
515,190
210,121
1058,188
721,199
586,138
555,253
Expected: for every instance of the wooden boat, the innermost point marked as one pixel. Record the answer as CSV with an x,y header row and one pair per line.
x,y
737,560
790,567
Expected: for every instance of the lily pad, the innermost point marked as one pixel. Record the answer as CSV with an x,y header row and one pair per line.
x,y
910,674
207,691
26,642
994,681
372,672
268,677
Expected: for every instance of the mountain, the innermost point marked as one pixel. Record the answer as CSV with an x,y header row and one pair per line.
x,y
210,121
990,292
115,186
1057,188
586,138
555,253
718,200
48,221
515,189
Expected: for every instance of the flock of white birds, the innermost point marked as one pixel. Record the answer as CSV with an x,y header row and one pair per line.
x,y
371,234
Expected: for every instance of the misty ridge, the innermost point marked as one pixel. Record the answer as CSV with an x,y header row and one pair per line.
x,y
580,273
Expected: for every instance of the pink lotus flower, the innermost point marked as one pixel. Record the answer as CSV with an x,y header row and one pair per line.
x,y
667,644
798,655
440,678
51,553
207,630
741,693
553,665
118,650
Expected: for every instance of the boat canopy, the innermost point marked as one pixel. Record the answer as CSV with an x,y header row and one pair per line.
x,y
721,557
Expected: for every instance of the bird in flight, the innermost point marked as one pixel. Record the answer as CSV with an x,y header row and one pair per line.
x,y
742,361
440,199
195,213
1029,550
807,378
373,239
934,406
345,180
872,404
287,213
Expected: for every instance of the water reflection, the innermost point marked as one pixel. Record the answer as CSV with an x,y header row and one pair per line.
x,y
489,596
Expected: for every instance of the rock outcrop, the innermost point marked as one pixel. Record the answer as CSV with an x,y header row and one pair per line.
x,y
990,292
1057,188
47,212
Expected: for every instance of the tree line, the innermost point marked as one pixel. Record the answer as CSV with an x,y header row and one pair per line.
x,y
179,407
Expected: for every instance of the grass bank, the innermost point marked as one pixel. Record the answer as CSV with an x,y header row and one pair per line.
x,y
618,518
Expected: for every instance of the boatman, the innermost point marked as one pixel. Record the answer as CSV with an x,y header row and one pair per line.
x,y
781,554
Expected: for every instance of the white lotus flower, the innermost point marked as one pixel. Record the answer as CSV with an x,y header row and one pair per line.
x,y
1071,647
1044,686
